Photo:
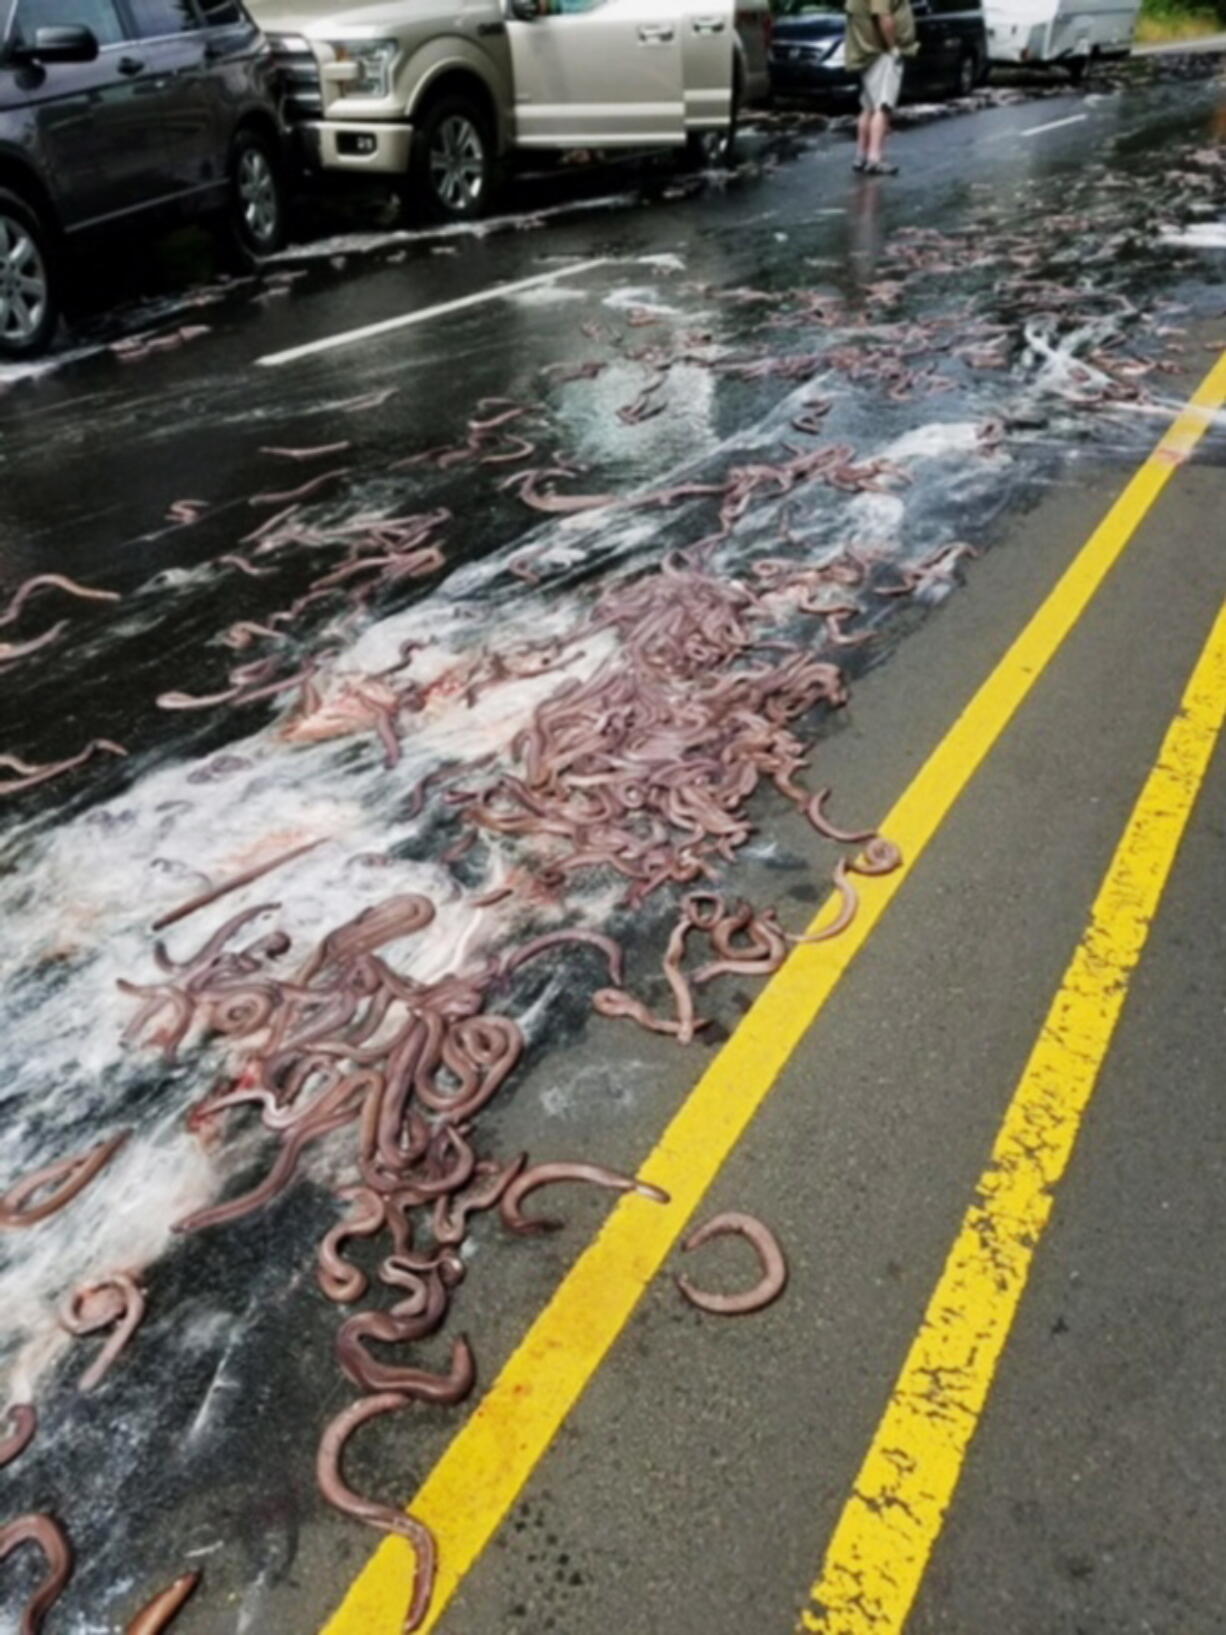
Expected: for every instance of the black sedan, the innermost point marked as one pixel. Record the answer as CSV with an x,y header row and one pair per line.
x,y
807,52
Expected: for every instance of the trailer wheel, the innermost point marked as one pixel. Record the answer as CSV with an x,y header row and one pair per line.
x,y
967,73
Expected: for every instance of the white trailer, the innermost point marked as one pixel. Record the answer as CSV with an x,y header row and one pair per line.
x,y
1067,33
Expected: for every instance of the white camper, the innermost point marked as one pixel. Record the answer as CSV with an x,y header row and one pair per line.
x,y
1067,33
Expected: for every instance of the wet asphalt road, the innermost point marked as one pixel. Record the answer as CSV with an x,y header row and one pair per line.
x,y
696,1485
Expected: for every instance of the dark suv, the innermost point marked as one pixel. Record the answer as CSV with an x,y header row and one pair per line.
x,y
123,111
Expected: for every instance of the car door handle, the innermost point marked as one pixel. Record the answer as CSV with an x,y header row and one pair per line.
x,y
130,66
708,25
655,33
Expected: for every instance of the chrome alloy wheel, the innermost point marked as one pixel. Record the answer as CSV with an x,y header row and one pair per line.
x,y
257,196
457,163
24,287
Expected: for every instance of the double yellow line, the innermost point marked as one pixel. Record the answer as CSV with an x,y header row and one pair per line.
x,y
483,1470
887,1531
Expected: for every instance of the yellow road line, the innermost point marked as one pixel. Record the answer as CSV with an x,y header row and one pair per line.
x,y
485,1467
881,1546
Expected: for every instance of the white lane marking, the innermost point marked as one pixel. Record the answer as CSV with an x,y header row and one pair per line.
x,y
1055,125
496,292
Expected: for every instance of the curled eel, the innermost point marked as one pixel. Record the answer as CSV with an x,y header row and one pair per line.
x,y
847,910
58,581
117,1301
419,1383
65,1179
331,1110
11,651
770,1284
683,995
50,1537
396,917
555,939
450,1220
617,1003
24,1420
815,812
382,1517
541,1175
339,1280
156,1615
31,775
413,1318
880,856
766,952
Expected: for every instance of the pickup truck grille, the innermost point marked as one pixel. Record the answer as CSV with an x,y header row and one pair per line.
x,y
300,82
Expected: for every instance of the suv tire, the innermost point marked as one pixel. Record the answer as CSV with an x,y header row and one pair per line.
x,y
29,280
715,150
256,208
452,168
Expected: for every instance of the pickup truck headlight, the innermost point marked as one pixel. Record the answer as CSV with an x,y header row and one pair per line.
x,y
373,61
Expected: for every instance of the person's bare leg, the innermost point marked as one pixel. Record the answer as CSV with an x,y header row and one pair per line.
x,y
864,137
878,130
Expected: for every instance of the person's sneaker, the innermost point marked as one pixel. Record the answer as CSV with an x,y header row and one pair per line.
x,y
881,167
859,165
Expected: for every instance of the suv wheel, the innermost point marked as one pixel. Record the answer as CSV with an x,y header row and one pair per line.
x,y
715,150
29,303
256,211
452,168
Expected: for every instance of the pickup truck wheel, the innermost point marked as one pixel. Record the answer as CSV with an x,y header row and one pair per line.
x,y
715,150
29,296
452,167
256,212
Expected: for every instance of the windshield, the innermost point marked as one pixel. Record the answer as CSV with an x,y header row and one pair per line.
x,y
807,8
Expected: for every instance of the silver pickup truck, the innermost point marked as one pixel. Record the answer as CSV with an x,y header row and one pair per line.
x,y
443,93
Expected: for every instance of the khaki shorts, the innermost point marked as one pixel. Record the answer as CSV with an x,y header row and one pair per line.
x,y
880,84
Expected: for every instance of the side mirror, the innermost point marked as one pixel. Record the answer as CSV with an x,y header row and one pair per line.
x,y
526,11
71,44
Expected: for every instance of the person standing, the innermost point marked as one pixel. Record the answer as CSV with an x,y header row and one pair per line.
x,y
880,36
